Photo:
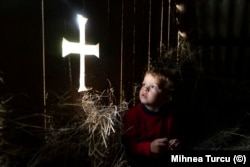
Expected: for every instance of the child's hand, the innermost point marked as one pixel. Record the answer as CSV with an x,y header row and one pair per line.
x,y
159,145
173,144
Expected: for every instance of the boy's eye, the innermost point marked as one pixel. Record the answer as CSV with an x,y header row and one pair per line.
x,y
150,87
153,86
143,85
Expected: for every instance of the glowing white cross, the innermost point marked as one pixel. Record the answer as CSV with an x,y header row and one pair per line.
x,y
82,49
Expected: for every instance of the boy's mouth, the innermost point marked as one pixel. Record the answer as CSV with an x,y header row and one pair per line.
x,y
143,95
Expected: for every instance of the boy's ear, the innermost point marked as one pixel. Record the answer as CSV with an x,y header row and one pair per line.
x,y
168,98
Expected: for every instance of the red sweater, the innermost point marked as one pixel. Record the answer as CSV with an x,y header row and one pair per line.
x,y
142,126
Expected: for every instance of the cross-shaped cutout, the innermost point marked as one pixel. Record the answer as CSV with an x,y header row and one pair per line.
x,y
80,48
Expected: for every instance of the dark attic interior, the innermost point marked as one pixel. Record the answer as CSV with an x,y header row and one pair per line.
x,y
46,121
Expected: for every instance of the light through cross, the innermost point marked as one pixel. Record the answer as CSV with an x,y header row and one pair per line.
x,y
80,48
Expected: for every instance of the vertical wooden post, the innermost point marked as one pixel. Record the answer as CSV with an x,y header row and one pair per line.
x,y
169,23
133,65
44,70
161,28
149,33
121,62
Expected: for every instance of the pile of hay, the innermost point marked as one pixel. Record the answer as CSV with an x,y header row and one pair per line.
x,y
236,138
86,132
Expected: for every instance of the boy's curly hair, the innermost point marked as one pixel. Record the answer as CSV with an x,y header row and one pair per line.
x,y
164,75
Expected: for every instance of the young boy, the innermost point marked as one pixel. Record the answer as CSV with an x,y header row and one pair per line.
x,y
149,130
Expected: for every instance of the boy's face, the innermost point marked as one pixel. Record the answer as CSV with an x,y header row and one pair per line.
x,y
150,92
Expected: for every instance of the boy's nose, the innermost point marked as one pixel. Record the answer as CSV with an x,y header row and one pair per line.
x,y
145,88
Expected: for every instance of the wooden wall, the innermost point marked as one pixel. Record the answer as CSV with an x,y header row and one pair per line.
x,y
214,78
